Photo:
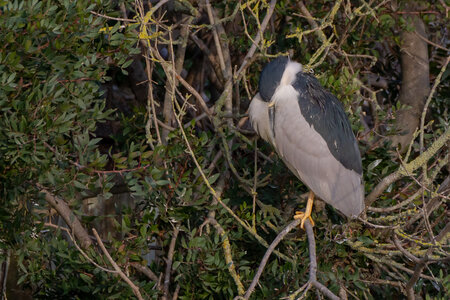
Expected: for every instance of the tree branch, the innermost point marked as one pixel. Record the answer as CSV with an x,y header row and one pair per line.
x,y
211,57
430,96
66,213
313,268
312,257
133,287
78,247
228,257
258,38
408,169
313,24
171,82
415,79
266,256
146,271
169,260
422,264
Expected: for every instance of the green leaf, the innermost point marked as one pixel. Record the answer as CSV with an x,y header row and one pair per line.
x,y
213,178
374,164
175,265
162,182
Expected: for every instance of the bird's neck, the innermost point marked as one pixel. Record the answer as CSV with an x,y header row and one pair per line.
x,y
290,73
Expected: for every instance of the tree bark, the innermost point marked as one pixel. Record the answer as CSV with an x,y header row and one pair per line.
x,y
169,117
415,78
66,213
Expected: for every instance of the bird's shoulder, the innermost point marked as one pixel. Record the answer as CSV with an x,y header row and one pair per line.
x,y
312,93
326,114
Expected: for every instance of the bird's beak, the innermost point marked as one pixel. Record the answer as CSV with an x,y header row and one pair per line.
x,y
271,108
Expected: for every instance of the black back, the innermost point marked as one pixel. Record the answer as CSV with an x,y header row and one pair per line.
x,y
324,112
271,76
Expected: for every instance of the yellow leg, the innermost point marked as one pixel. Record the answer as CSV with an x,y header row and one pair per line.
x,y
307,214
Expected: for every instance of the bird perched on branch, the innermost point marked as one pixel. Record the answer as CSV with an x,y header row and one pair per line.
x,y
309,129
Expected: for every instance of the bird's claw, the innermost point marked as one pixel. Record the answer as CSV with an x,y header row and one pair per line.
x,y
301,215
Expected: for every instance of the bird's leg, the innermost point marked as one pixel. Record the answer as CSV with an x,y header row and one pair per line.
x,y
307,214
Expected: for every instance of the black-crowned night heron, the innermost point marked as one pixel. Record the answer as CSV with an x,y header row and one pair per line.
x,y
309,129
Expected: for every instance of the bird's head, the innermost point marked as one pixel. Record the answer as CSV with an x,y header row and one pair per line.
x,y
279,71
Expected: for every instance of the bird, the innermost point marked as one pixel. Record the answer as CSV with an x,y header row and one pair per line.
x,y
309,129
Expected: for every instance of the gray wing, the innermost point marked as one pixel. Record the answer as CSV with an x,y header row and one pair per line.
x,y
308,156
325,113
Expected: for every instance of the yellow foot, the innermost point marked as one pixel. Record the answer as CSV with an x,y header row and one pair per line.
x,y
304,217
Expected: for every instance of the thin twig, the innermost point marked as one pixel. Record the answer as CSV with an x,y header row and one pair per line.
x,y
408,168
219,199
397,206
313,267
113,18
197,96
266,256
393,264
175,294
430,96
151,104
160,3
430,42
255,182
78,247
215,35
405,252
385,282
227,72
228,257
144,270
169,260
169,69
133,287
376,225
211,57
258,38
313,24
170,87
422,264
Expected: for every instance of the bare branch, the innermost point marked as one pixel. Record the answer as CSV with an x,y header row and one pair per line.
x,y
227,68
160,3
66,213
112,18
215,35
146,271
228,257
218,198
258,38
313,268
423,263
169,260
313,24
78,247
151,104
266,256
430,96
211,57
408,168
405,252
177,61
135,289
